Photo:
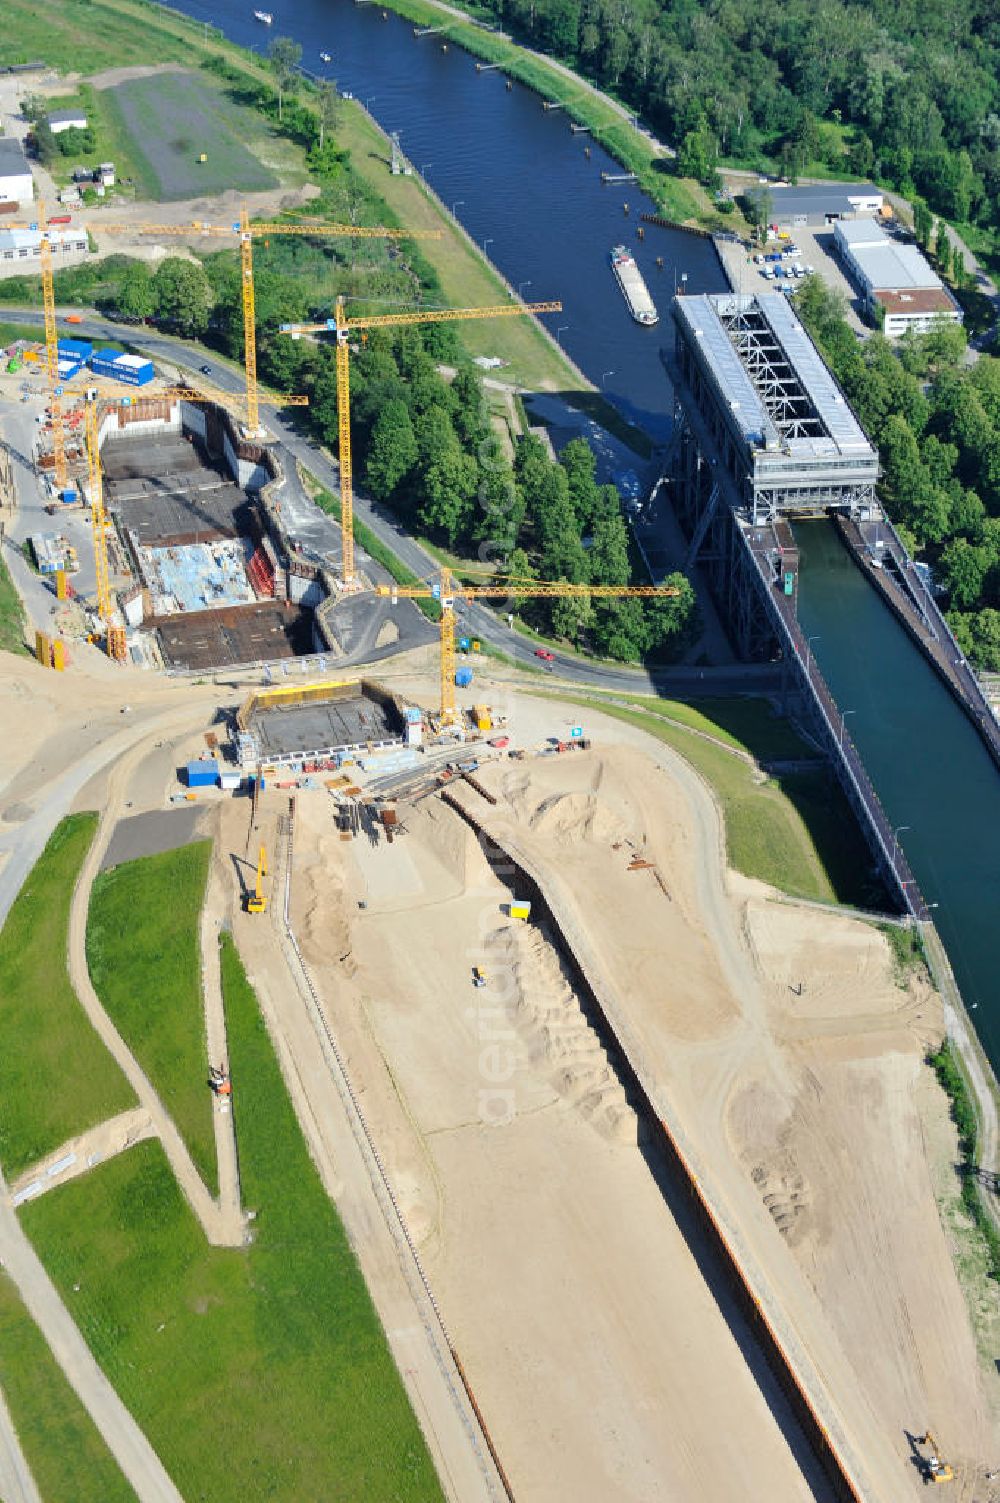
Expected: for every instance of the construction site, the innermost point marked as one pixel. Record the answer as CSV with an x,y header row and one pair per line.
x,y
648,1178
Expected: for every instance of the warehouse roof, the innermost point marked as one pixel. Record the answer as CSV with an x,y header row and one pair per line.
x,y
894,266
66,117
841,432
824,198
12,157
855,232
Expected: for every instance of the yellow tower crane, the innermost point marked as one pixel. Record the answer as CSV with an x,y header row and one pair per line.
x,y
447,590
342,327
247,234
114,632
51,350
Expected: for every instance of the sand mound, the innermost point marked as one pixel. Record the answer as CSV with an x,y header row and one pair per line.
x,y
560,1042
320,906
575,816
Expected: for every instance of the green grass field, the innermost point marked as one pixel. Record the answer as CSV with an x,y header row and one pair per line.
x,y
67,1457
169,119
86,35
797,832
144,957
257,1374
56,1077
11,614
750,724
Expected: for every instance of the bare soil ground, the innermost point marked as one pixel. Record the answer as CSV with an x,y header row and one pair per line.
x,y
795,1061
571,1294
811,1107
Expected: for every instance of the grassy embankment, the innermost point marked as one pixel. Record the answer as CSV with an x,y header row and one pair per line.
x,y
11,614
260,1373
794,830
947,1067
148,976
61,1444
56,1077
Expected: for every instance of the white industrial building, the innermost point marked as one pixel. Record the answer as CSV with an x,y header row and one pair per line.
x,y
16,185
60,120
894,280
20,250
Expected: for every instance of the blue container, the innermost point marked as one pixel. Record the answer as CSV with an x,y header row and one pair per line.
x,y
68,497
75,349
203,773
463,677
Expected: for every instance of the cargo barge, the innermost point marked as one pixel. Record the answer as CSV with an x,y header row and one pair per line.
x,y
634,289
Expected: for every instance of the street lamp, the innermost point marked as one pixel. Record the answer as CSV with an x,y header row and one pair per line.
x,y
455,207
603,375
809,643
895,842
425,168
843,722
486,242
368,103
521,285
560,332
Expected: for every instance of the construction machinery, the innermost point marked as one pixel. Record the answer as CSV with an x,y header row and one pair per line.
x,y
256,901
935,1470
447,591
342,327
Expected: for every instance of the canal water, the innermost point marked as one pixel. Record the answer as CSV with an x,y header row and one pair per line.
x,y
931,769
519,180
517,176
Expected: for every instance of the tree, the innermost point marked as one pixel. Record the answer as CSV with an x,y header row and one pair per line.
x,y
923,223
136,298
758,206
327,107
963,572
45,143
392,452
698,157
942,245
285,55
183,295
577,459
609,562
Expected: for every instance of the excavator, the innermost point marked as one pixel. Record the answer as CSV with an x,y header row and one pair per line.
x,y
256,901
935,1470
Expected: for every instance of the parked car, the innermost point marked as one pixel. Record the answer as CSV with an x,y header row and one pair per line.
x,y
545,655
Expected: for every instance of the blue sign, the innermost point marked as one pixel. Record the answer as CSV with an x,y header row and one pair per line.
x,y
576,733
463,644
435,592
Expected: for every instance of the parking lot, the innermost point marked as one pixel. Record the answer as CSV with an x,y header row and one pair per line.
x,y
815,249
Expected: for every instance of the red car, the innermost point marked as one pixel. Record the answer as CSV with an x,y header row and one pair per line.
x,y
545,655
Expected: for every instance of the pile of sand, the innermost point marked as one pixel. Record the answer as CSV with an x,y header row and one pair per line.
x,y
561,1044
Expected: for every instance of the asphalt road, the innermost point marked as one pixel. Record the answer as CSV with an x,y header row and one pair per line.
x,y
474,620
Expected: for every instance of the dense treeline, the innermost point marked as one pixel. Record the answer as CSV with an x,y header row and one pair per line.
x,y
936,422
425,446
918,82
